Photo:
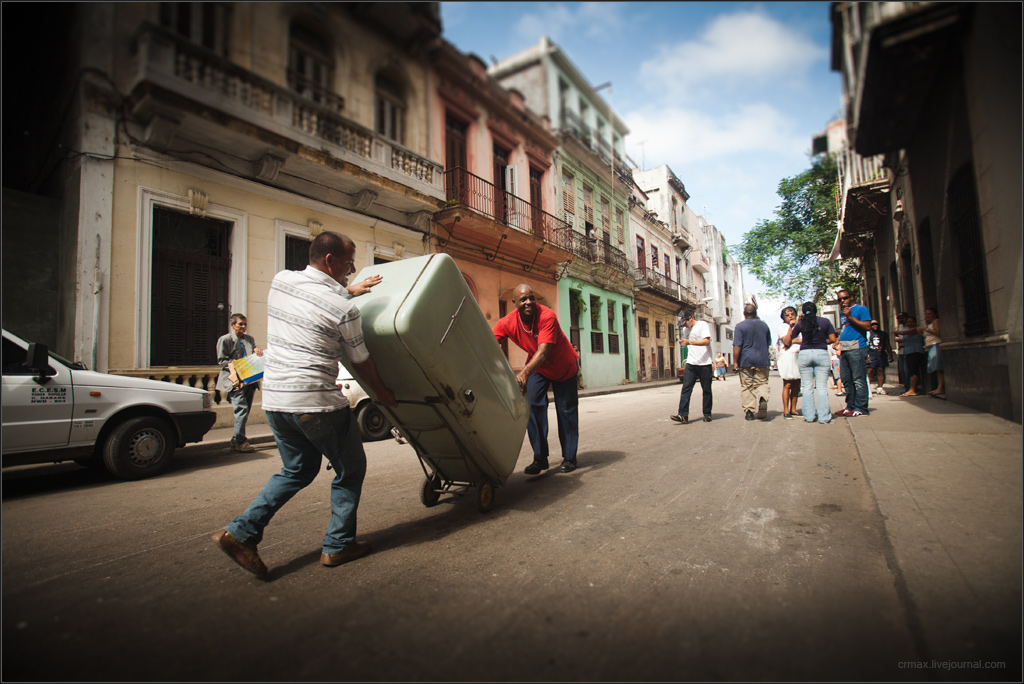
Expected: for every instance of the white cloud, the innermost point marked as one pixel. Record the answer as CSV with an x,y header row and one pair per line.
x,y
694,136
743,49
590,19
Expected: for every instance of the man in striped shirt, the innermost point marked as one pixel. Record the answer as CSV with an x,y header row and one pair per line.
x,y
311,322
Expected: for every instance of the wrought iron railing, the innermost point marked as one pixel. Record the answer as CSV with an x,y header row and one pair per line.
x,y
469,190
648,278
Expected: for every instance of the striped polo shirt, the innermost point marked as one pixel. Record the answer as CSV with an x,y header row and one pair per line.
x,y
311,322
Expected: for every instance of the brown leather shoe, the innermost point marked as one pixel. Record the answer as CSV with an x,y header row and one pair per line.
x,y
243,554
357,550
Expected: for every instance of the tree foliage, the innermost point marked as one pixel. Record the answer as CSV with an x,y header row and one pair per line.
x,y
787,253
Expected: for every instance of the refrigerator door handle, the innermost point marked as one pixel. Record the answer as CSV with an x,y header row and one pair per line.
x,y
455,317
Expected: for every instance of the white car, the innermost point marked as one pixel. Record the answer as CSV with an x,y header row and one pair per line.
x,y
57,410
373,424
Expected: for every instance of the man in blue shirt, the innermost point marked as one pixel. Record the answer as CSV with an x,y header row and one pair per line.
x,y
751,341
855,321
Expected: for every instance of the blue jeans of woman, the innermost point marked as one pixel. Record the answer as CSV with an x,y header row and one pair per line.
x,y
303,439
566,410
814,368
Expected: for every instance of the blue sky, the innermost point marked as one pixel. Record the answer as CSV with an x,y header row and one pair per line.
x,y
728,94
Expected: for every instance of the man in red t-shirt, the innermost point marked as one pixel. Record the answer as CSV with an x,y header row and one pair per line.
x,y
552,362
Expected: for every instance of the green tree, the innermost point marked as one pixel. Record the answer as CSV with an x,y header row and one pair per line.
x,y
787,252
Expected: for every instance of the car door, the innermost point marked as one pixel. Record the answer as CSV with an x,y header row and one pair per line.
x,y
35,416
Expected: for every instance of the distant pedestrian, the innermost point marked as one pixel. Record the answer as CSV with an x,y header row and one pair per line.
x,y
552,362
879,356
231,347
854,320
311,323
751,342
913,345
901,353
818,334
697,342
720,366
789,368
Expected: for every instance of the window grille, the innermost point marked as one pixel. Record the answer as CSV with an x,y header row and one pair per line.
x,y
657,330
613,344
966,226
597,342
644,331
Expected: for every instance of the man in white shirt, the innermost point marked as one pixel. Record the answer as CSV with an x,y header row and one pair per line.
x,y
311,322
698,367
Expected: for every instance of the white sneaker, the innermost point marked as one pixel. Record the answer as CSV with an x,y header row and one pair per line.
x,y
880,390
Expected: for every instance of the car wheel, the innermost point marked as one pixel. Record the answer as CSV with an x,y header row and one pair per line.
x,y
373,424
138,448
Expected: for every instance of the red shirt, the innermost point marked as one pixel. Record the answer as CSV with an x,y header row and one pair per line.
x,y
561,362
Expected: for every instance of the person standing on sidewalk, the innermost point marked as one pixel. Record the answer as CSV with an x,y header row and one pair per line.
x,y
553,362
879,356
311,323
854,321
751,342
901,353
817,335
697,341
788,360
231,347
912,344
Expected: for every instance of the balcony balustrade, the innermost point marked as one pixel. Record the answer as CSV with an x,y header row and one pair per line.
x,y
650,279
174,63
472,191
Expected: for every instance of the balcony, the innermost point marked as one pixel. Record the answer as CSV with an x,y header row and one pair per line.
x,y
480,213
193,99
650,280
863,201
596,251
700,262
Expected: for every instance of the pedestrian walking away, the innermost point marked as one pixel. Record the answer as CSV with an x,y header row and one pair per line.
x,y
311,323
817,334
552,362
854,320
751,341
696,339
789,367
231,347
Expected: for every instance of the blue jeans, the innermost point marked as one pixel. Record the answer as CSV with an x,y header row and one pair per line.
x,y
814,367
566,409
853,371
302,439
241,404
691,374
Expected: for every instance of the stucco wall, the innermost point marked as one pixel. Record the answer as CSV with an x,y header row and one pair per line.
x,y
601,369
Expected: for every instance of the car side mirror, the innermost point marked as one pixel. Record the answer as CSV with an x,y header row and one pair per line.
x,y
39,362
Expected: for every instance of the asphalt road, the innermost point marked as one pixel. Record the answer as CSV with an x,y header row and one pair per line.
x,y
729,550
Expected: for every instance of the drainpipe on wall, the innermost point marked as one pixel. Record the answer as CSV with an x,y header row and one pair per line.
x,y
97,276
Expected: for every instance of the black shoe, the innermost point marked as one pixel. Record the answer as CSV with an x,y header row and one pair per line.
x,y
750,415
535,467
707,419
762,409
568,466
680,419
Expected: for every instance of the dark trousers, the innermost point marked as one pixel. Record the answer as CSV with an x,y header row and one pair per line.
x,y
691,374
566,410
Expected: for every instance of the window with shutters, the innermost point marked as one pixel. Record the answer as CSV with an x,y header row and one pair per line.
x,y
644,329
191,265
390,107
641,256
620,234
611,316
203,23
606,226
309,65
657,330
568,197
597,342
588,204
654,257
668,265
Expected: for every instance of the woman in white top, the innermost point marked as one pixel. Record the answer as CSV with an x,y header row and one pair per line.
x,y
789,367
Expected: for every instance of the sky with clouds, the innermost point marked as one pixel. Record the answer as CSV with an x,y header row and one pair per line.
x,y
728,94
